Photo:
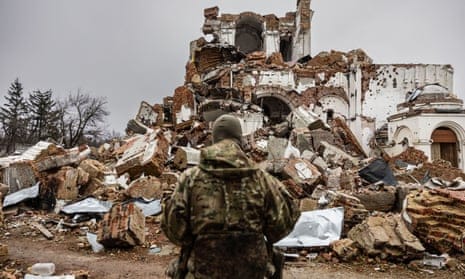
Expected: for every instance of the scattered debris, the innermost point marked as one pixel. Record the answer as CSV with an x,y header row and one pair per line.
x,y
299,122
44,231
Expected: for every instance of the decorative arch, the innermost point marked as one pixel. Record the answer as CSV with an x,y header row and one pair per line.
x,y
249,32
454,126
279,93
275,103
446,138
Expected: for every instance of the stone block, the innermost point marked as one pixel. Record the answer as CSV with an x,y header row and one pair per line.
x,y
276,147
19,175
387,236
381,200
335,156
308,204
67,187
302,172
71,156
308,155
144,154
83,177
437,218
301,139
123,226
148,187
94,185
94,168
320,164
4,189
186,156
333,178
320,135
346,249
354,211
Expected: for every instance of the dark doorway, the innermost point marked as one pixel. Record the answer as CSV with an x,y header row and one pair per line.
x,y
285,47
444,145
274,109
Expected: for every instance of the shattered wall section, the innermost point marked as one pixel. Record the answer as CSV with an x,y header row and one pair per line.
x,y
392,82
183,105
290,35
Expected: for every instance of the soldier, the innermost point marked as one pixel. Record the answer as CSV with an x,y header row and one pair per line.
x,y
226,213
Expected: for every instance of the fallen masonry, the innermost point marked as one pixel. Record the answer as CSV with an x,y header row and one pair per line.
x,y
315,123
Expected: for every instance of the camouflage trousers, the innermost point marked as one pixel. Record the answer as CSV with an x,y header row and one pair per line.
x,y
229,255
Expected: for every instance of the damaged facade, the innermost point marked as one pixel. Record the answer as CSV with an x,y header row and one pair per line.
x,y
260,67
378,145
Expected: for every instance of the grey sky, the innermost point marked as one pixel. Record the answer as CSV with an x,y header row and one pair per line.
x,y
136,50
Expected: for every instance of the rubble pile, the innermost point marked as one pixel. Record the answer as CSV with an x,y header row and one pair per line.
x,y
321,164
437,218
388,237
315,154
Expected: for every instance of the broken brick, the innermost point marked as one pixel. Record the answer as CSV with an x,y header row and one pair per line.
x,y
380,200
346,249
436,217
123,226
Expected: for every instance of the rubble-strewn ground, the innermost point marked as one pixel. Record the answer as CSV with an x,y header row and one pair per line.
x,y
71,253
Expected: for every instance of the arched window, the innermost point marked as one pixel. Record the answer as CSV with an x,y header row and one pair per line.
x,y
249,34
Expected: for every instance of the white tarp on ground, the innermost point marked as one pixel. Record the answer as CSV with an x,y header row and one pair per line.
x,y
21,195
315,228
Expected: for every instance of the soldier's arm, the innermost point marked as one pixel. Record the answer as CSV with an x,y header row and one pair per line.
x,y
175,218
281,210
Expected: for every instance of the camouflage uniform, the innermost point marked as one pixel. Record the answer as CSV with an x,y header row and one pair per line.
x,y
223,208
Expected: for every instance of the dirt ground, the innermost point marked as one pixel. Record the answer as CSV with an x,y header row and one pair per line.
x,y
70,252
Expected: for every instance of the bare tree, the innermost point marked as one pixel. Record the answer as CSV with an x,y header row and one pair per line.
x,y
81,115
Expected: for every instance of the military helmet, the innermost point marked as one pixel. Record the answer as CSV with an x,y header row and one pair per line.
x,y
227,127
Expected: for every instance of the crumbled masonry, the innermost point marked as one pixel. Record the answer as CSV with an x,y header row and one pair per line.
x,y
317,123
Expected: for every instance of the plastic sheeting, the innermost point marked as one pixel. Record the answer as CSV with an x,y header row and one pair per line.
x,y
149,208
89,205
378,170
315,228
21,195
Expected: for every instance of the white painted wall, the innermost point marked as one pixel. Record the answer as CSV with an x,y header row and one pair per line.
x,y
421,128
277,78
271,42
392,83
227,33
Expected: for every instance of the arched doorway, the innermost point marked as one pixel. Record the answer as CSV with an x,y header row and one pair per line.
x,y
249,34
445,145
275,109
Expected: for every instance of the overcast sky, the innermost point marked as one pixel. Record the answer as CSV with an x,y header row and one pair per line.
x,y
136,50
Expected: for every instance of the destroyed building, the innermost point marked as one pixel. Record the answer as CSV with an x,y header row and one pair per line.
x,y
260,67
348,139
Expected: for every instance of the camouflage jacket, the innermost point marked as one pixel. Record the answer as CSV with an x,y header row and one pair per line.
x,y
227,192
